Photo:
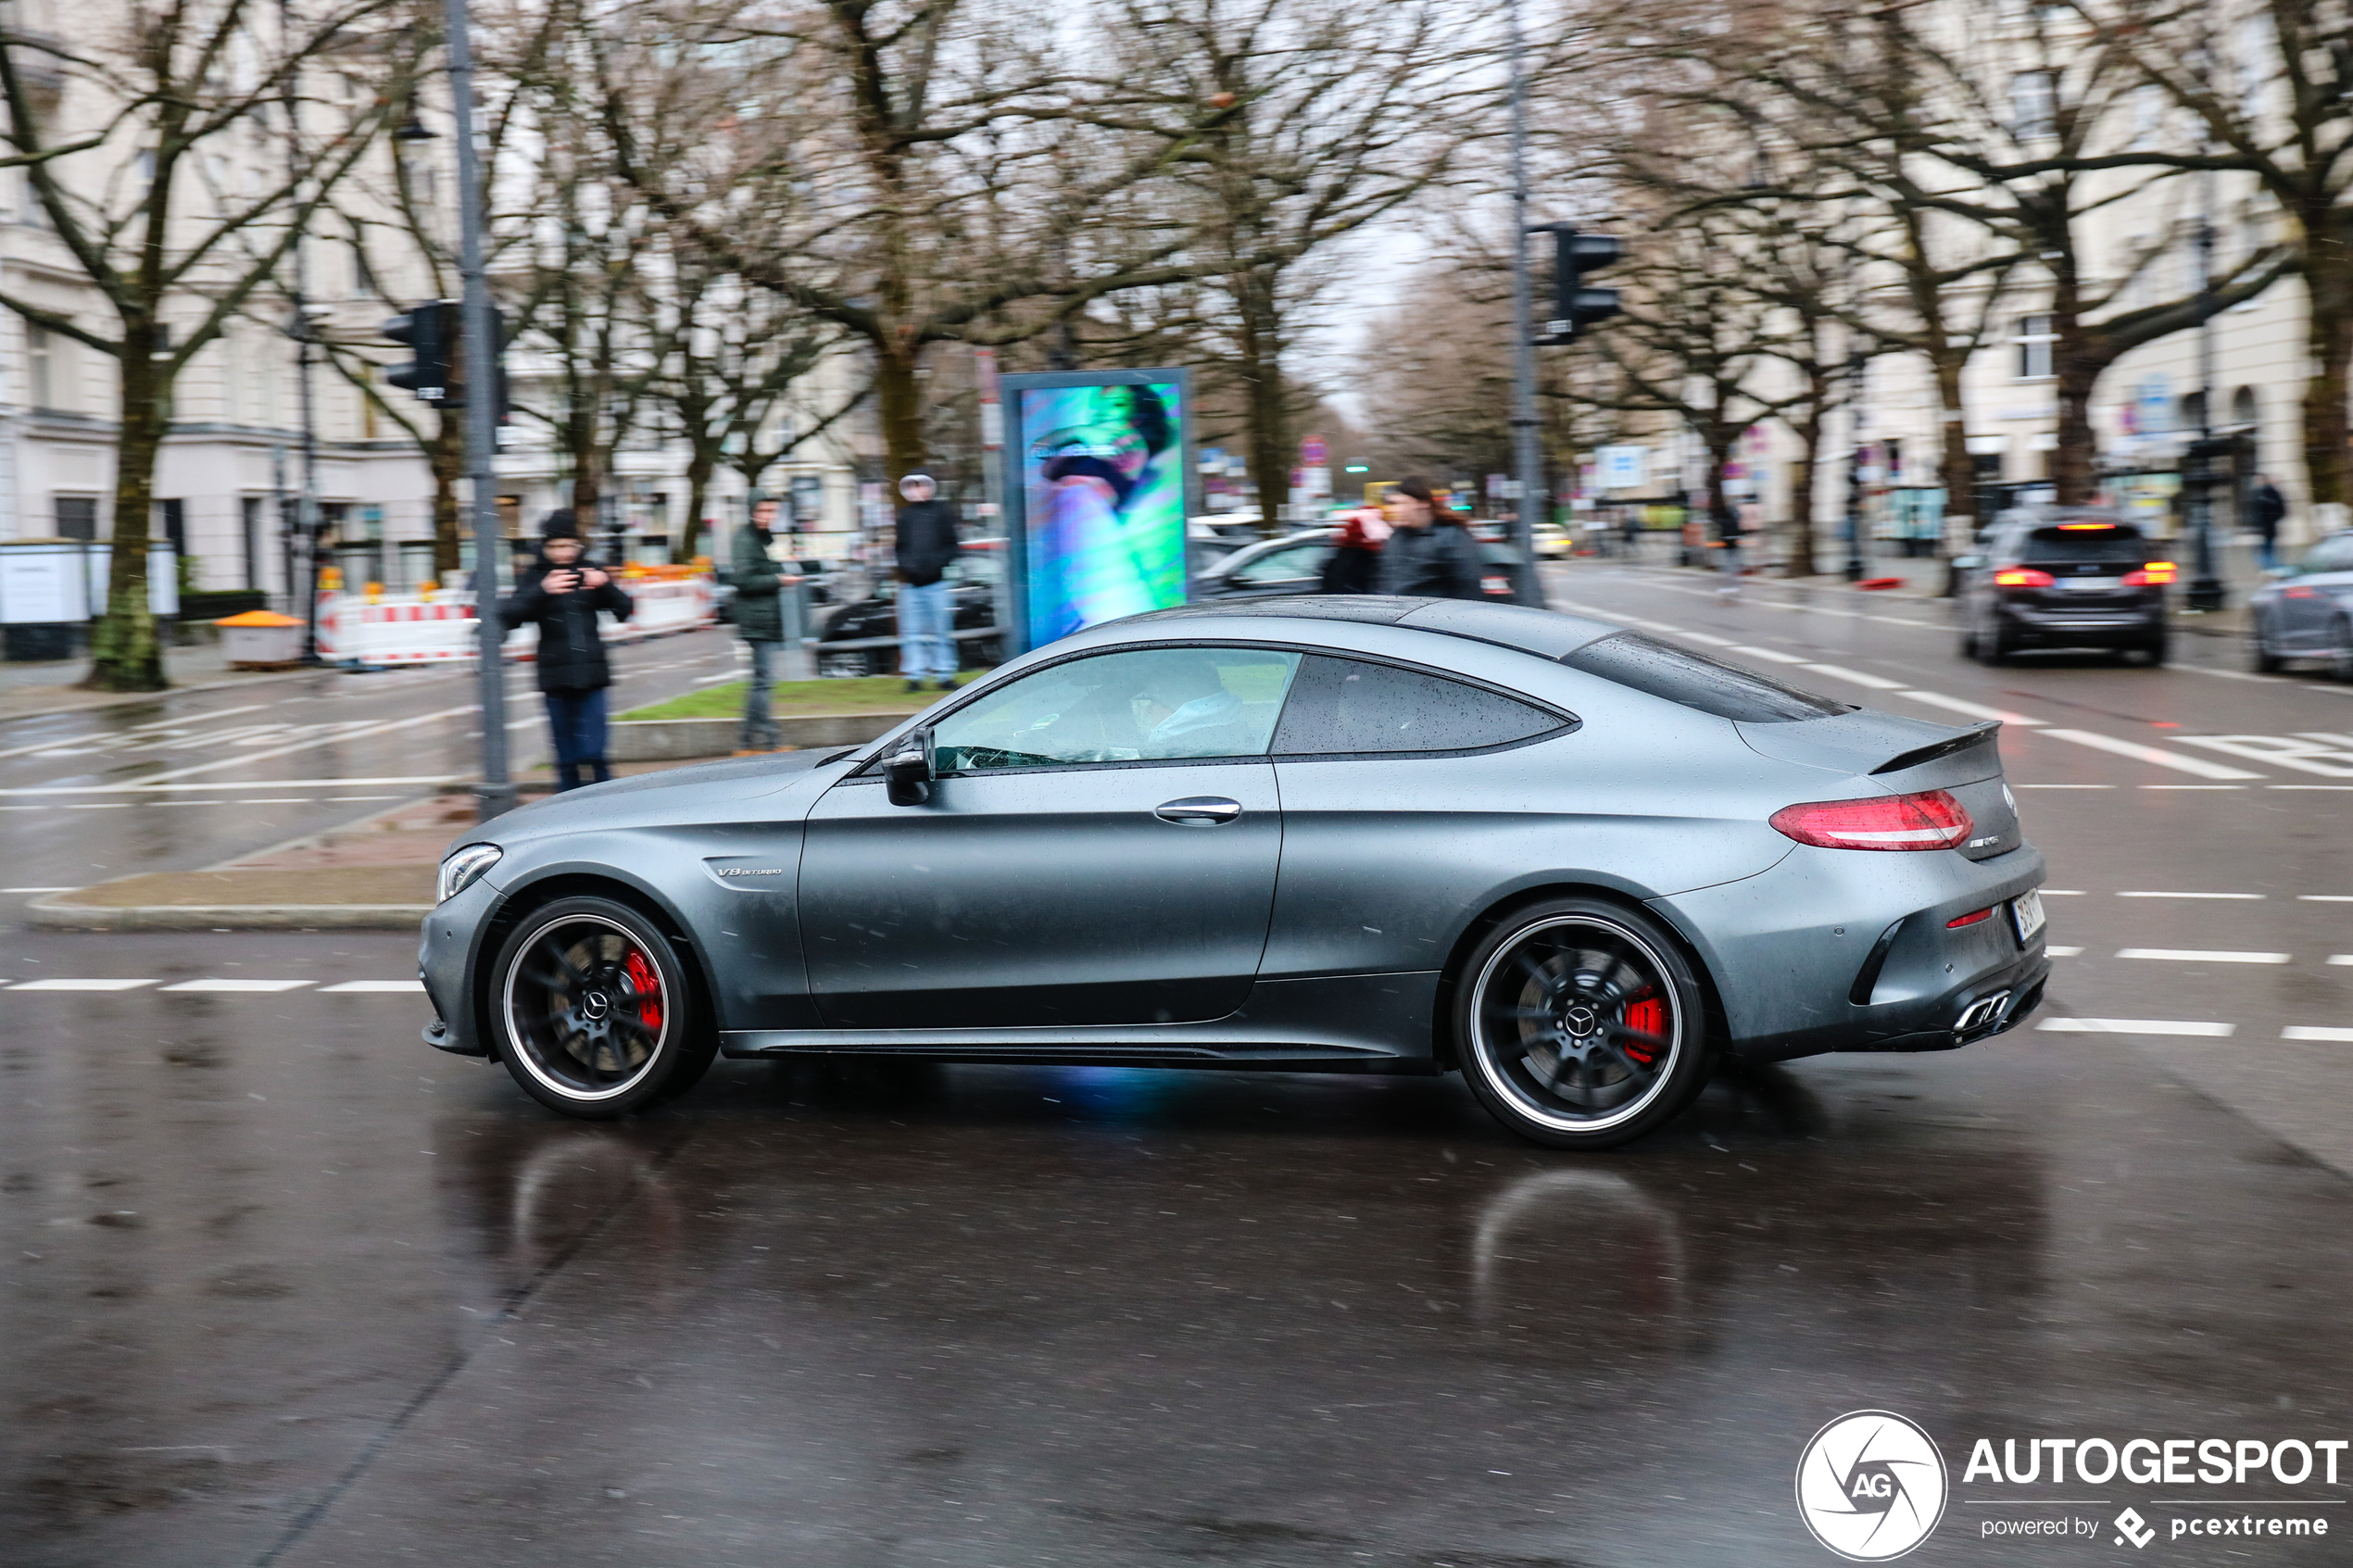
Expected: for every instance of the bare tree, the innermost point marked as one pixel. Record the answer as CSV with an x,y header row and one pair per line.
x,y
116,130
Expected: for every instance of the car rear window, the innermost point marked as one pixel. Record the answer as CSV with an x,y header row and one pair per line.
x,y
1696,681
1347,707
2067,545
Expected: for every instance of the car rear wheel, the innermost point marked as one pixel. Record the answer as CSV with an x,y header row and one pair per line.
x,y
1578,1024
2259,656
1996,645
594,1014
2341,648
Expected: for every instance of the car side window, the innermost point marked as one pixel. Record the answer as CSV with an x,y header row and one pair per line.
x,y
2329,555
1284,566
1344,707
1138,704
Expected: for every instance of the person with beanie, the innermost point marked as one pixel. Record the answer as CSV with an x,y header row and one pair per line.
x,y
561,594
926,545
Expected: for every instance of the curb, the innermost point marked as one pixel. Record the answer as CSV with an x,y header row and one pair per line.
x,y
58,912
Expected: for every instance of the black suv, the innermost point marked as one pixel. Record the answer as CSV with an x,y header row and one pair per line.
x,y
2051,577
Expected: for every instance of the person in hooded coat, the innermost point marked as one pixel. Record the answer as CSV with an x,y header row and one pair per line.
x,y
561,594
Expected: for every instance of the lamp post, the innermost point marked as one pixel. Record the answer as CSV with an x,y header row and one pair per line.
x,y
299,327
2197,463
1855,468
496,792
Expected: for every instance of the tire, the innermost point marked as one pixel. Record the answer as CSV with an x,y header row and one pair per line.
x,y
1566,965
1968,638
2156,650
2341,650
1996,645
2259,656
569,995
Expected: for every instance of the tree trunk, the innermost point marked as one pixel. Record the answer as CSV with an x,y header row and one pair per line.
x,y
1959,476
1801,481
124,655
2328,281
899,396
1260,368
2075,461
447,456
700,464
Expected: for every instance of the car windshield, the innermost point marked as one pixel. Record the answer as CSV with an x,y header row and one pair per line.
x,y
1696,681
2068,546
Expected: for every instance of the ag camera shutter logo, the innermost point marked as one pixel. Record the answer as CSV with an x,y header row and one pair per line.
x,y
1871,1485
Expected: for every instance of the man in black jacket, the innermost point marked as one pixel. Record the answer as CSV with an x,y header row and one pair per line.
x,y
926,544
2269,509
1429,554
561,594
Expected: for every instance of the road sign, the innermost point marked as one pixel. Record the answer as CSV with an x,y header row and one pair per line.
x,y
1313,453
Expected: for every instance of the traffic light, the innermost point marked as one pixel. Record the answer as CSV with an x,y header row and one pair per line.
x,y
1575,307
459,377
430,333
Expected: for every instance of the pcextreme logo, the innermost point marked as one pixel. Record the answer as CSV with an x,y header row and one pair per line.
x,y
1871,1485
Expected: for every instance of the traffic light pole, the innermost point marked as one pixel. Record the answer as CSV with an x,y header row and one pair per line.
x,y
1527,457
496,792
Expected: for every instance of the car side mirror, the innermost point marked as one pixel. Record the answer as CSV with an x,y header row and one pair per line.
x,y
907,770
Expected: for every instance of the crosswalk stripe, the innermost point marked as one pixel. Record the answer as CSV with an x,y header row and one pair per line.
x,y
2140,753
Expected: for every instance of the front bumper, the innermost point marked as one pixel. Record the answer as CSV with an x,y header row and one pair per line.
x,y
446,953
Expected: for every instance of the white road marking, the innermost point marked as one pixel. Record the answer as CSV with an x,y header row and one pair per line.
x,y
35,889
239,985
427,778
2192,955
1772,656
2324,897
2309,1032
2137,1026
372,987
2193,787
1706,641
2245,898
78,984
328,737
2016,785
1839,673
2309,786
135,730
2306,756
2063,892
2058,952
2138,752
2341,958
1979,710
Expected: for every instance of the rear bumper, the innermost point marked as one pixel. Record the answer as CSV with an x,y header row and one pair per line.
x,y
2087,625
1986,1006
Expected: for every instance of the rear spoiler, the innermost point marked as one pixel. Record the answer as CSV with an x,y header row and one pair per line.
x,y
1981,733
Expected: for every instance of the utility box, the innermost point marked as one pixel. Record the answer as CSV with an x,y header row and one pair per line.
x,y
261,639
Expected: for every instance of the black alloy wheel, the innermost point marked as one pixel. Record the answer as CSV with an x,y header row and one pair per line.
x,y
1580,1025
593,1013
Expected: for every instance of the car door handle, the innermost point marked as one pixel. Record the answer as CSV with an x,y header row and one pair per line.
x,y
1199,810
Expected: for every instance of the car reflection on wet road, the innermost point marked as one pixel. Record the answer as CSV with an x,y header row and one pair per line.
x,y
377,1309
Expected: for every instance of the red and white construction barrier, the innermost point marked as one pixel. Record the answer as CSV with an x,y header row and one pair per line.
x,y
407,629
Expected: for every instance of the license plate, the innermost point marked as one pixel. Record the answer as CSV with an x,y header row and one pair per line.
x,y
2026,913
2091,584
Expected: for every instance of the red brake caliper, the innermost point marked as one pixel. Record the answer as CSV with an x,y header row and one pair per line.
x,y
648,985
1646,1015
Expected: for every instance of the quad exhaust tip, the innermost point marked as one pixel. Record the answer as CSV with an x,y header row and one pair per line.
x,y
1981,1012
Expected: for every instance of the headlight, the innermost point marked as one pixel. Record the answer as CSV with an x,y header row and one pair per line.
x,y
463,867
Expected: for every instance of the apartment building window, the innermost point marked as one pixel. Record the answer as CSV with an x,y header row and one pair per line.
x,y
39,372
2033,104
249,519
77,517
2033,339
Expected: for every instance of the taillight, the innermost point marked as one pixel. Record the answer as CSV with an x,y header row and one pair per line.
x,y
1929,820
2022,577
1970,918
2156,574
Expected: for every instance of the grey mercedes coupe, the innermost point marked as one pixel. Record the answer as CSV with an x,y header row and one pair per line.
x,y
1327,834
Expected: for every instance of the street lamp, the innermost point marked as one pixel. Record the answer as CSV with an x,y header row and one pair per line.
x,y
2197,463
1526,459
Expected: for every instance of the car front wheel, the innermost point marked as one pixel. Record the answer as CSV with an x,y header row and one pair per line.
x,y
1580,1025
2259,651
593,1011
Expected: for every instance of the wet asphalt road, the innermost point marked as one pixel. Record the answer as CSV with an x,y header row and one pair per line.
x,y
277,1285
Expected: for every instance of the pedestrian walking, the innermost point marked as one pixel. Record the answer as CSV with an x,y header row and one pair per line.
x,y
926,545
561,593
2268,509
1353,566
758,580
1429,554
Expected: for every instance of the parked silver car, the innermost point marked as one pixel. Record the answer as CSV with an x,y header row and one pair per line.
x,y
1353,835
2307,612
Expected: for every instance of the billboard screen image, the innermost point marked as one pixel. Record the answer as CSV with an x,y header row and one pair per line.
x,y
1102,480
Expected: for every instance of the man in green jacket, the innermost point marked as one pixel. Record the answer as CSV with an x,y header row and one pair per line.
x,y
758,580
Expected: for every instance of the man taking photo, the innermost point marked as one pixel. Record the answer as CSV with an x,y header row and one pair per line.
x,y
561,593
926,545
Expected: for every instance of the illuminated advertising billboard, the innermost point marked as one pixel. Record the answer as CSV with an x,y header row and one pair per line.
x,y
1098,485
